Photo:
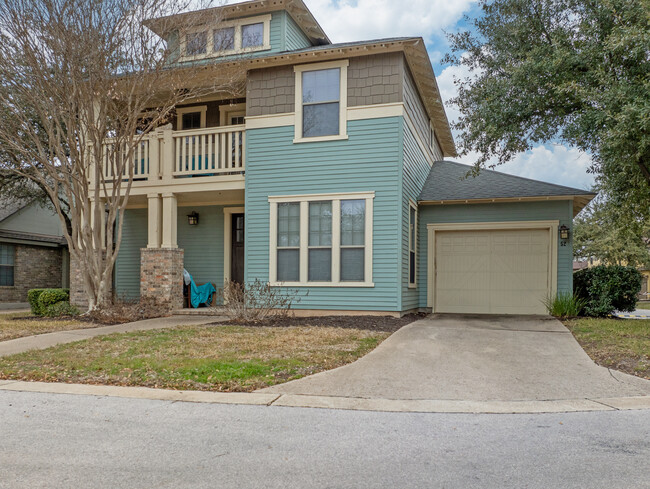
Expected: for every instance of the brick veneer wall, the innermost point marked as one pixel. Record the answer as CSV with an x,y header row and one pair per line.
x,y
374,79
34,267
77,287
161,276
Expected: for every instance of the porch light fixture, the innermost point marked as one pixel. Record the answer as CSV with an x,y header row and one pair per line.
x,y
564,232
193,218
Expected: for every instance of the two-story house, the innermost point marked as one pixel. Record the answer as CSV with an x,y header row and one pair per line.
x,y
327,176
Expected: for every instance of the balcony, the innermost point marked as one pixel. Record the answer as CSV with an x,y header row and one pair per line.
x,y
189,158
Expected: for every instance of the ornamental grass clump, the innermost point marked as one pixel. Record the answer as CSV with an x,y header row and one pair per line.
x,y
564,305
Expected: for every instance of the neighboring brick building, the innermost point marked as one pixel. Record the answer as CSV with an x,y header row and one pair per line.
x,y
33,253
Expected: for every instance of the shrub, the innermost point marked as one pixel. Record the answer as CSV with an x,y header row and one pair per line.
x,y
32,298
255,301
565,304
62,308
49,297
607,289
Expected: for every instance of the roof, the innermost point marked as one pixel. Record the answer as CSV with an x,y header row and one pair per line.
x,y
448,183
42,239
296,8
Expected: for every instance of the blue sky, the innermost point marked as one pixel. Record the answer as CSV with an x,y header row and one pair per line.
x,y
356,20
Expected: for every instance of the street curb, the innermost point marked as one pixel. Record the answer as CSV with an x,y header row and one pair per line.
x,y
343,403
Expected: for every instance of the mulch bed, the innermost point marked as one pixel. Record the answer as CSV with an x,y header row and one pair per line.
x,y
371,323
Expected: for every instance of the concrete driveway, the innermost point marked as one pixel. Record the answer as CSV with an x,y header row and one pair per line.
x,y
471,357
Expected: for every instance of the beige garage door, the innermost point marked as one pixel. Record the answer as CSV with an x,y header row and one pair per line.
x,y
494,272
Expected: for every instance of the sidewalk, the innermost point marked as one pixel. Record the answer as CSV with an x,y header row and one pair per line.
x,y
42,341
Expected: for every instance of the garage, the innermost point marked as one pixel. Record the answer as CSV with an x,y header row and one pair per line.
x,y
492,271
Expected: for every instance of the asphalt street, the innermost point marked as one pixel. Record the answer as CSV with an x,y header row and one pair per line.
x,y
69,441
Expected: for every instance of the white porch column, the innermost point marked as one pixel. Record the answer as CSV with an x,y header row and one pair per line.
x,y
167,152
154,220
169,221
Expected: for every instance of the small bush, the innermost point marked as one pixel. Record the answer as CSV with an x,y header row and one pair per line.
x,y
565,304
32,298
607,289
49,297
62,308
255,301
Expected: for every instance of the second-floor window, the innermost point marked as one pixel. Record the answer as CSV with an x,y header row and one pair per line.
x,y
196,43
321,101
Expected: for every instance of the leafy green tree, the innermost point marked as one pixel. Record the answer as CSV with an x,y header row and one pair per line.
x,y
606,233
569,71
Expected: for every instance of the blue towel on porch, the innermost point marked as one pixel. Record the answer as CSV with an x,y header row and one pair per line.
x,y
201,294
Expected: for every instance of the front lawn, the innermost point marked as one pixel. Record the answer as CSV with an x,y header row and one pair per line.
x,y
621,344
11,328
216,358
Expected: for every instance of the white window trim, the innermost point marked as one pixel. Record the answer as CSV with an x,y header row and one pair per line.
x,y
413,246
227,110
304,200
203,109
343,100
237,24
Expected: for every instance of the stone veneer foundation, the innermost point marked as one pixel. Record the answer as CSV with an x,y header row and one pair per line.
x,y
161,276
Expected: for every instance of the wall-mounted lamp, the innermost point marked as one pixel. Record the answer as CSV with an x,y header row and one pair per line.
x,y
193,218
564,232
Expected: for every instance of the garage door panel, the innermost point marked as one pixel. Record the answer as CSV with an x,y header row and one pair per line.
x,y
503,272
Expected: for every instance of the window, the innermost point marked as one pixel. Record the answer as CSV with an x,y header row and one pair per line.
x,y
252,35
191,117
413,238
229,37
321,101
7,253
196,43
223,39
321,240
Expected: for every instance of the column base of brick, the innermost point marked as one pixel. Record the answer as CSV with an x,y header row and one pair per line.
x,y
161,276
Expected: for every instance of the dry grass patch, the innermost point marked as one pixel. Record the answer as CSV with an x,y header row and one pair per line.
x,y
11,328
216,358
621,344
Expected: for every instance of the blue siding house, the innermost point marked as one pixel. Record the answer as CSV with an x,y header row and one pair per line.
x,y
328,175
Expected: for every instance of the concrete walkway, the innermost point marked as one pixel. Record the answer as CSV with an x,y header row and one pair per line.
x,y
13,307
42,341
473,358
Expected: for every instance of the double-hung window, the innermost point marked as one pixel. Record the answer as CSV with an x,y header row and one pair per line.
x,y
413,238
7,253
321,240
321,101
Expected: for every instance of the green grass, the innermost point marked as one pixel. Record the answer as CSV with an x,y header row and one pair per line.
x,y
221,358
643,305
621,344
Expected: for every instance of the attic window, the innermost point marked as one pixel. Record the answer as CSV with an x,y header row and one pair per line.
x,y
229,37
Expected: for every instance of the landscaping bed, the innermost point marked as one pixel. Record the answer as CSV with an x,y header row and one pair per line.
x,y
620,344
212,358
18,325
369,323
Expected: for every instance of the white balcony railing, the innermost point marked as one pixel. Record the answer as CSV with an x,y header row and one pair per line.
x,y
166,155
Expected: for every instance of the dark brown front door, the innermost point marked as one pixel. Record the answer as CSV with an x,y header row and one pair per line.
x,y
237,249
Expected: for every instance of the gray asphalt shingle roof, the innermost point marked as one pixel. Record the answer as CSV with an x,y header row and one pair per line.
x,y
447,182
9,206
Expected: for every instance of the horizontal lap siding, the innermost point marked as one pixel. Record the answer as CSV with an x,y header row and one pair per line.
x,y
367,161
127,265
415,171
523,211
294,37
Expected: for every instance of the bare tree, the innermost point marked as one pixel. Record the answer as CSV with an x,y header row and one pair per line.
x,y
74,73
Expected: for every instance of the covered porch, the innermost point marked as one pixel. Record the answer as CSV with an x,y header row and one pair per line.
x,y
164,233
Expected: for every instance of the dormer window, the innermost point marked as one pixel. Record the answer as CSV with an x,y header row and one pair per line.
x,y
230,37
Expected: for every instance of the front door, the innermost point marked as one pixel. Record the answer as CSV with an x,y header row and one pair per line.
x,y
237,249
